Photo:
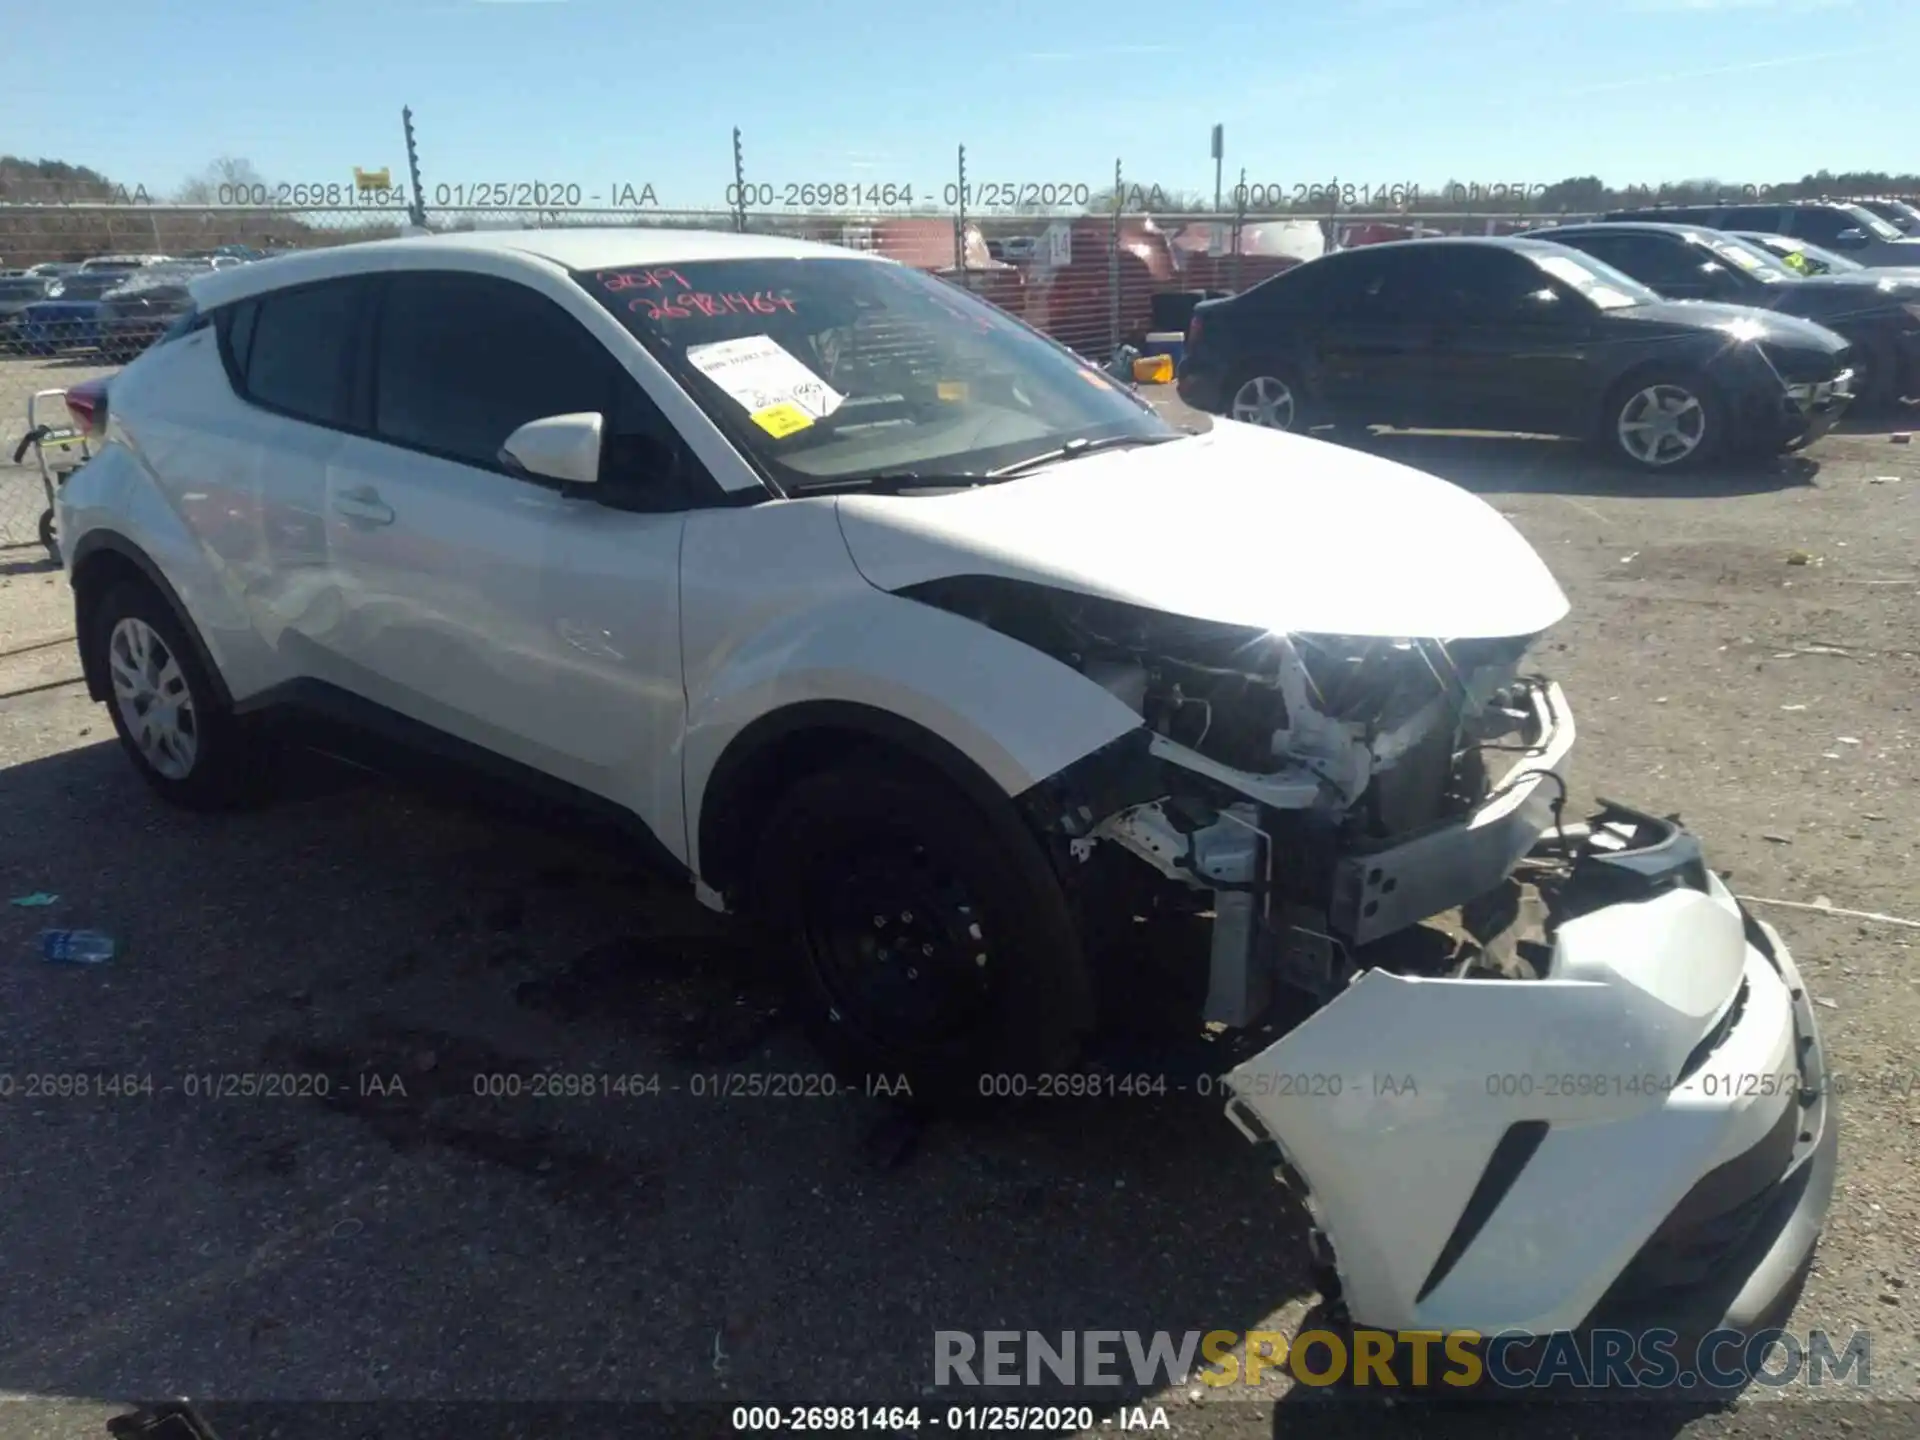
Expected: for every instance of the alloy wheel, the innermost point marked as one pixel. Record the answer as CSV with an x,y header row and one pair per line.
x,y
1265,400
153,698
1662,425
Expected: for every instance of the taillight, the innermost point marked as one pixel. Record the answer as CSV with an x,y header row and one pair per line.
x,y
87,403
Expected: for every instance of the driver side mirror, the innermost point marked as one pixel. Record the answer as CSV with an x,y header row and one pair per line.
x,y
1851,239
565,448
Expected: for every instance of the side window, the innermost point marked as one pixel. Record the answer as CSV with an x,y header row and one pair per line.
x,y
462,361
1351,285
1751,217
293,350
1651,259
1466,284
1819,224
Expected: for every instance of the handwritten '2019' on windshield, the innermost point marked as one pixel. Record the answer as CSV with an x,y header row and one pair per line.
x,y
663,293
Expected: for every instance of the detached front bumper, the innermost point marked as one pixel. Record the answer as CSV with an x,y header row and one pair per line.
x,y
1643,1137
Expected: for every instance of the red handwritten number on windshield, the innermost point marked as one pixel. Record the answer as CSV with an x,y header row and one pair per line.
x,y
682,307
656,279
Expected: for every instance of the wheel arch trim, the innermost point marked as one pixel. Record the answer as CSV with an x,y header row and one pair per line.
x,y
749,763
99,542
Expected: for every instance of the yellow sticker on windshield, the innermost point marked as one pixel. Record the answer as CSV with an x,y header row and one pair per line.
x,y
782,419
954,392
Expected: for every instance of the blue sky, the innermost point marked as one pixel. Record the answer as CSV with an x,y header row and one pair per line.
x,y
598,93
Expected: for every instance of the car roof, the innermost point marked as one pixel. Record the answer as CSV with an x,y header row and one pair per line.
x,y
581,248
1525,244
1603,227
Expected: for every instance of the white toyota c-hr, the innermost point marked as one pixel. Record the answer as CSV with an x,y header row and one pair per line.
x,y
883,618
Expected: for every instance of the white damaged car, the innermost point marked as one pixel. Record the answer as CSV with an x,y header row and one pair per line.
x,y
880,617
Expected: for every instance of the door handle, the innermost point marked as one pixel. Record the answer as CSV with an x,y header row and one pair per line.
x,y
364,505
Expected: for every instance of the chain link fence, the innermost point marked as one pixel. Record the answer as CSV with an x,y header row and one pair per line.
x,y
90,278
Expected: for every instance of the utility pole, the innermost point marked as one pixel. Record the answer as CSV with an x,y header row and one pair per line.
x,y
1219,149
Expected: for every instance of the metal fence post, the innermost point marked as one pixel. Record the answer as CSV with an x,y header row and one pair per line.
x,y
739,186
417,213
1239,224
1113,265
960,221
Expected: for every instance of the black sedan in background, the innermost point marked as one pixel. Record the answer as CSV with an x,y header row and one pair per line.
x,y
136,313
1877,311
1512,335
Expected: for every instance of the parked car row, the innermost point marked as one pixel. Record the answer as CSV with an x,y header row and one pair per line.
x,y
1516,334
1853,229
882,619
114,304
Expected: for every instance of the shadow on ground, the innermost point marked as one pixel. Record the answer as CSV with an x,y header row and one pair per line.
x,y
388,1097
1557,467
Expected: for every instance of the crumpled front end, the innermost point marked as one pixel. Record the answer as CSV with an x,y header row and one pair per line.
x,y
1554,1074
1318,793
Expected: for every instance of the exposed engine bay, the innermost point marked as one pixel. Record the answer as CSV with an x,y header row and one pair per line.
x,y
1317,793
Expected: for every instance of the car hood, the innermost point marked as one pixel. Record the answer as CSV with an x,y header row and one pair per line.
x,y
1768,326
1816,295
1242,526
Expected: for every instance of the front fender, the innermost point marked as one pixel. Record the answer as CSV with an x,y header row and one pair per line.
x,y
1016,714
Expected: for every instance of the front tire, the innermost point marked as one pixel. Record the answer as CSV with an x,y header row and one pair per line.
x,y
1661,423
183,739
928,942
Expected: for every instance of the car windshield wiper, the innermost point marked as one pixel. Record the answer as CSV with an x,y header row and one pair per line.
x,y
886,482
1074,449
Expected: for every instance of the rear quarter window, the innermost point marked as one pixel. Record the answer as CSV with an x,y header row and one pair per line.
x,y
290,350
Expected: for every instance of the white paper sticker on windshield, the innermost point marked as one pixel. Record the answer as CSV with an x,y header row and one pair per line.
x,y
760,373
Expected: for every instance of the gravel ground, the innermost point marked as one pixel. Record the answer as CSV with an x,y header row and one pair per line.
x,y
673,1246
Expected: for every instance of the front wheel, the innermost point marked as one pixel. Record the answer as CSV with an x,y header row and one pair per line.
x,y
927,941
1663,422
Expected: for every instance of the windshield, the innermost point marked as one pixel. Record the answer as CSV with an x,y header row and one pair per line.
x,y
846,369
1873,224
1817,259
1606,287
1900,214
1750,258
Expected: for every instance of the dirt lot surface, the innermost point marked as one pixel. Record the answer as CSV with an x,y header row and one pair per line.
x,y
670,1245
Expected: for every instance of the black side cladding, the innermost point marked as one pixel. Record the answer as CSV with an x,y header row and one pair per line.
x,y
1509,1158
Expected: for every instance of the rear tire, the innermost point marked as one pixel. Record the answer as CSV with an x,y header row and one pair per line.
x,y
927,942
1272,397
182,737
1663,422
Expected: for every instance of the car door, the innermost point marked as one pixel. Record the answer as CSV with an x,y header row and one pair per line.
x,y
539,624
289,353
1370,344
1514,346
